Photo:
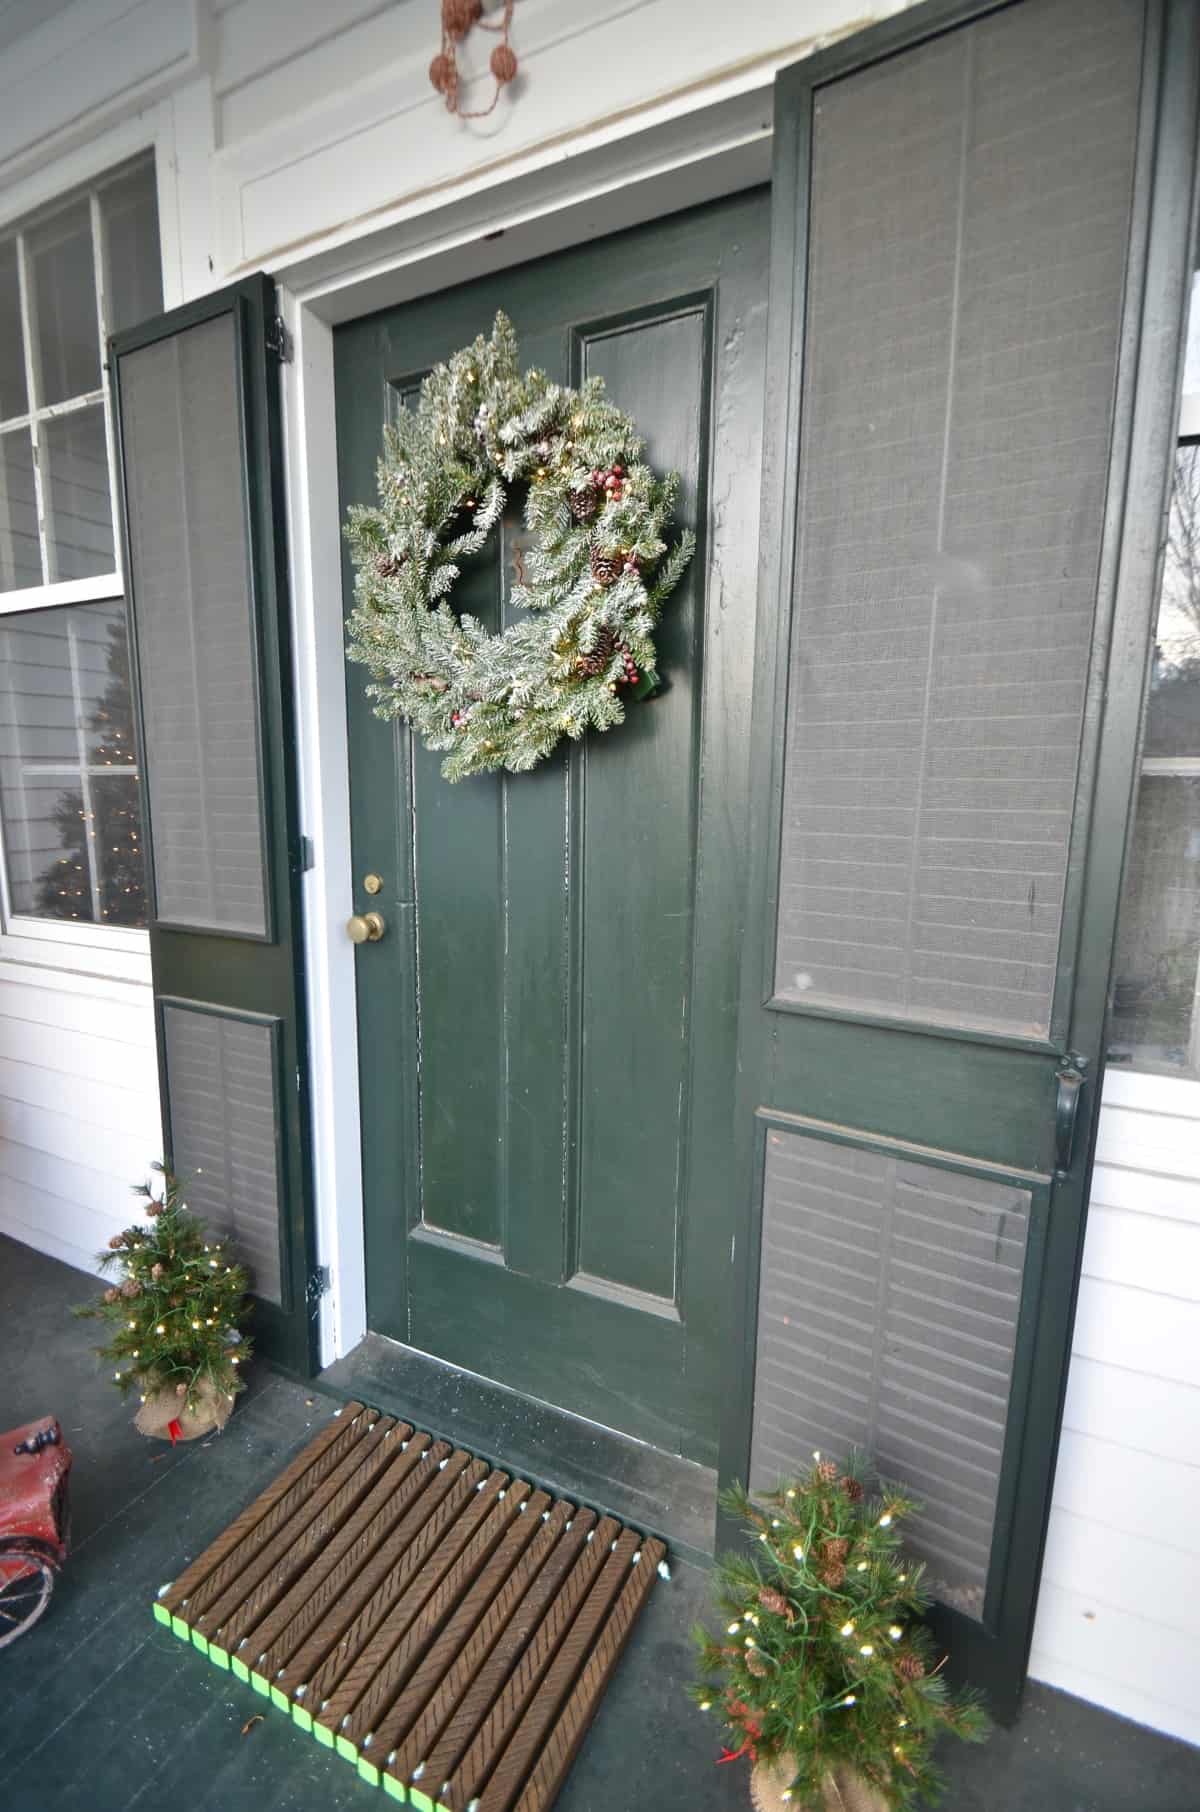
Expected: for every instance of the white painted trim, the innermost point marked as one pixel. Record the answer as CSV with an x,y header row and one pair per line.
x,y
1189,416
314,542
645,177
56,179
65,591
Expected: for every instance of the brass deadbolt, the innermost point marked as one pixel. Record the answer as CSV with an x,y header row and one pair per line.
x,y
366,927
373,883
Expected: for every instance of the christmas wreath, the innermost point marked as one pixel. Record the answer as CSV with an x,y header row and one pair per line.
x,y
596,573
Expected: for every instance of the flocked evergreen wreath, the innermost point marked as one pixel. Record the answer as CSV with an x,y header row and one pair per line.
x,y
597,570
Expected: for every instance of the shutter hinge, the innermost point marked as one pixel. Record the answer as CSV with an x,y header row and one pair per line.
x,y
305,855
279,340
319,1284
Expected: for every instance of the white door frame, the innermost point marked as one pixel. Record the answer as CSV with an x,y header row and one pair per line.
x,y
710,151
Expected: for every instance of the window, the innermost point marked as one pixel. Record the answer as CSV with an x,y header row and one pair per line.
x,y
1156,1008
69,805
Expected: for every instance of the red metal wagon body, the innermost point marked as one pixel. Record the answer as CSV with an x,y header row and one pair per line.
x,y
35,1466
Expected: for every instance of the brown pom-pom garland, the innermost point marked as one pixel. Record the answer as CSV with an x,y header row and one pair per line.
x,y
458,17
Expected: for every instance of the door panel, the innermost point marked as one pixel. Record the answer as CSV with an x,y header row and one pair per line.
x,y
548,1031
954,629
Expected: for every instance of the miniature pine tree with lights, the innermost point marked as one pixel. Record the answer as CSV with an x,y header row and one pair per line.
x,y
824,1662
175,1318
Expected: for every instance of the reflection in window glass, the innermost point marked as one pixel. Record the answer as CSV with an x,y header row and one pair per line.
x,y
20,554
14,397
79,526
1156,1010
132,267
69,785
62,276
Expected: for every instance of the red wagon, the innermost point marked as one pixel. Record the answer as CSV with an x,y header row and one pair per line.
x,y
35,1466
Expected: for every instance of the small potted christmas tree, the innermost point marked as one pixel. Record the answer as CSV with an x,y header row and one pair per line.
x,y
174,1318
824,1673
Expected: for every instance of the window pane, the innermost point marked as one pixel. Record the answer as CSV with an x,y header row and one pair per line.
x,y
78,505
133,269
68,779
13,394
1158,951
20,555
63,282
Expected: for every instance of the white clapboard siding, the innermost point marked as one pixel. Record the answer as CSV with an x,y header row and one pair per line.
x,y
1118,1611
79,1116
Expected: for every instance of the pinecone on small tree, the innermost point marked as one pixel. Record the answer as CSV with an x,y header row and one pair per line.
x,y
606,567
598,658
388,565
852,1488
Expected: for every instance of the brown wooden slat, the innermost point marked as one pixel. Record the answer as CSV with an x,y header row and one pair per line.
x,y
298,1555
473,1629
480,1691
344,1428
423,1491
281,1632
498,1727
382,1659
515,1762
212,1616
446,1597
562,1744
444,1511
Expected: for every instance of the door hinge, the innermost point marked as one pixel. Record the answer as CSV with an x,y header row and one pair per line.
x,y
279,340
305,855
319,1284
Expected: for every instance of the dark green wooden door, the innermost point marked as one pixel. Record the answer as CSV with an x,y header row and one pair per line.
x,y
978,280
547,1030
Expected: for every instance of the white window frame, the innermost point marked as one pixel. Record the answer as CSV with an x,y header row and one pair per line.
x,y
25,937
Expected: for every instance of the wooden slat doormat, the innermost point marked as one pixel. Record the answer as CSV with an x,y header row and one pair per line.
x,y
443,1626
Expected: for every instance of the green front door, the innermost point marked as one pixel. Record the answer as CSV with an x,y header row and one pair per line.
x,y
547,1029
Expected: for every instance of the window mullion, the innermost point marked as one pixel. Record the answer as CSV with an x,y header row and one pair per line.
x,y
31,385
100,265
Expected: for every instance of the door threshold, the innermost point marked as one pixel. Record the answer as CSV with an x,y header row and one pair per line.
x,y
659,1493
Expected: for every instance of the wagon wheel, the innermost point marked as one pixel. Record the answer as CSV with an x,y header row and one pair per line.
x,y
23,1597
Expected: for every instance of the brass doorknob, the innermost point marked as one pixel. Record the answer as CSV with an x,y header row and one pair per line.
x,y
366,927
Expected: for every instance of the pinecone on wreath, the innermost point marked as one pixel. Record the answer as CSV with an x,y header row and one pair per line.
x,y
388,565
596,661
606,568
584,505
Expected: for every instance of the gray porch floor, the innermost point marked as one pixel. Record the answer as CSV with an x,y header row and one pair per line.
x,y
101,1709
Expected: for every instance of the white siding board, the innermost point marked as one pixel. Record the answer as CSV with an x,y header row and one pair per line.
x,y
123,1152
1143,1251
1126,1652
1155,1415
130,1024
1082,1558
1156,1335
1137,1494
1165,1143
87,1054
1146,1192
90,1103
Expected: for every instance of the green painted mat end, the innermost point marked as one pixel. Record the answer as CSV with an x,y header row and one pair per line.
x,y
394,1787
219,1657
181,1629
323,1735
421,1801
280,1698
367,1771
261,1685
161,1613
346,1749
300,1718
200,1641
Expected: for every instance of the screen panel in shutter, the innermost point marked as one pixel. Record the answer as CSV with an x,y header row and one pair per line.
x,y
969,216
189,544
888,1305
223,1103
